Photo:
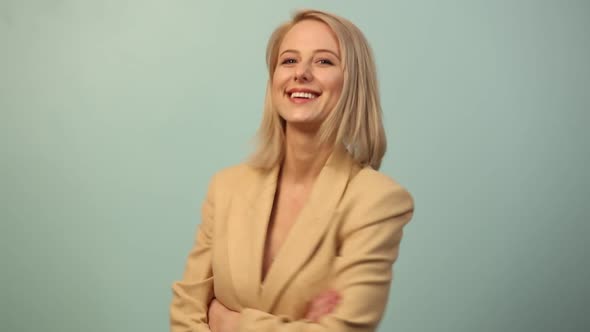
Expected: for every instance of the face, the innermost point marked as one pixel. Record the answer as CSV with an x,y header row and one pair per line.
x,y
308,78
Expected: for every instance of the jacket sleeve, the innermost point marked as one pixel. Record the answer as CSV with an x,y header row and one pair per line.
x,y
363,271
192,295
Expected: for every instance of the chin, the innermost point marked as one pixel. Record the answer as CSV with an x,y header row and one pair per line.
x,y
302,117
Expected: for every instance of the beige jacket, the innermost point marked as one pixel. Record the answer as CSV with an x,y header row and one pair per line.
x,y
346,238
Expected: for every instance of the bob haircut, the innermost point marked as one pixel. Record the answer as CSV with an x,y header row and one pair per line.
x,y
355,121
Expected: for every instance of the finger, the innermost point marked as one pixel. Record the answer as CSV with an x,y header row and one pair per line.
x,y
317,312
326,307
324,310
322,303
329,301
312,313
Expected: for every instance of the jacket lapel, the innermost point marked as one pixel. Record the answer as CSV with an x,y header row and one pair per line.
x,y
247,225
307,231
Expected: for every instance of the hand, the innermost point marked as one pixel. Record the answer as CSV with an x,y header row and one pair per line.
x,y
221,319
322,304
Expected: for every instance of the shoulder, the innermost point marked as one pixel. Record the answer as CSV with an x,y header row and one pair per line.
x,y
233,178
371,185
373,195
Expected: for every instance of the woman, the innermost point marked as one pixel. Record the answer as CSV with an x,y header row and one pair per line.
x,y
302,237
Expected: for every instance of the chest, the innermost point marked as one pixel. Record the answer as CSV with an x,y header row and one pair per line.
x,y
272,252
283,216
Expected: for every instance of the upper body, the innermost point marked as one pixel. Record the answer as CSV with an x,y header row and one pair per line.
x,y
346,238
308,212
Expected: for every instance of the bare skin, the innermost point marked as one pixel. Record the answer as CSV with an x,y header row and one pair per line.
x,y
300,168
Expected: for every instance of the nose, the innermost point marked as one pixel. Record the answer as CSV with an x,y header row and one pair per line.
x,y
303,72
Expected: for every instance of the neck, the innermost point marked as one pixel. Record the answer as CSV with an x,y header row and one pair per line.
x,y
304,159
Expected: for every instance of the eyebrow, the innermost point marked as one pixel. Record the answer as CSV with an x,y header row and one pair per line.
x,y
315,51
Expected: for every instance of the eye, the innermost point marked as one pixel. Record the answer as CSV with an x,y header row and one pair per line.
x,y
325,62
288,61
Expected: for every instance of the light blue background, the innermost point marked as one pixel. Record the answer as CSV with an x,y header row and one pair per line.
x,y
114,114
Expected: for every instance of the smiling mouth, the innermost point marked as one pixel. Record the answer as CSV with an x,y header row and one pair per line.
x,y
304,95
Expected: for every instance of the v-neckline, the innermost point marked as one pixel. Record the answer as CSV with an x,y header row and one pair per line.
x,y
248,239
266,237
270,216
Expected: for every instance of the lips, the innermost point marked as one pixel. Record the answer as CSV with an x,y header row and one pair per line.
x,y
298,94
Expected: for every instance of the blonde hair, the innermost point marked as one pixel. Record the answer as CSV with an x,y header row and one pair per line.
x,y
356,120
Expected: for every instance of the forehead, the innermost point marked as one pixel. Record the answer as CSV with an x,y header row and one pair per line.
x,y
310,35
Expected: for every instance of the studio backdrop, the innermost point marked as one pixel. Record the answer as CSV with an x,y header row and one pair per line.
x,y
114,115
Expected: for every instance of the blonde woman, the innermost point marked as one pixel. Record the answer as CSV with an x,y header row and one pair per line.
x,y
303,236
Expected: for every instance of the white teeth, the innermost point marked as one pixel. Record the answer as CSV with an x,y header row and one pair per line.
x,y
307,95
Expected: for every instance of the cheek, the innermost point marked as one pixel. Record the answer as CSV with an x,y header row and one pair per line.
x,y
334,81
336,86
276,91
279,79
